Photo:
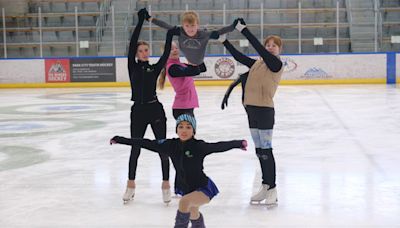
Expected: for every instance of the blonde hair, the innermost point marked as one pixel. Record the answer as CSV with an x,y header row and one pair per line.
x,y
142,43
190,17
277,40
161,78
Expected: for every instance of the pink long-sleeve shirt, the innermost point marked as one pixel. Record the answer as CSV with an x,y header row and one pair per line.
x,y
185,91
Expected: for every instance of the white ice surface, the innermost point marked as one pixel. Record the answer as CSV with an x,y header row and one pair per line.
x,y
337,150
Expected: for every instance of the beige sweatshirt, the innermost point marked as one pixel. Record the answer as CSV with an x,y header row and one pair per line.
x,y
261,85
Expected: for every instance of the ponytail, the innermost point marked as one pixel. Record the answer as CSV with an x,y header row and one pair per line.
x,y
161,79
163,73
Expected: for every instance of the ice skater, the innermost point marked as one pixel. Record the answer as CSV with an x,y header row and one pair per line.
x,y
186,99
193,40
187,154
259,87
146,110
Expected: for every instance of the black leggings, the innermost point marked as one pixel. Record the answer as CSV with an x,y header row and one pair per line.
x,y
141,116
177,112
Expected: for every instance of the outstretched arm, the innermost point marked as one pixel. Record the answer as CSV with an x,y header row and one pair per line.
x,y
176,71
215,34
273,62
237,55
161,23
135,38
153,145
223,146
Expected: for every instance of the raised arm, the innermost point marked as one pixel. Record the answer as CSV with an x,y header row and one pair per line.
x,y
156,21
167,48
153,145
135,38
209,148
237,55
273,62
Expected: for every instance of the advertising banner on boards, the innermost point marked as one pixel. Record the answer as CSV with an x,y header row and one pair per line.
x,y
93,70
57,70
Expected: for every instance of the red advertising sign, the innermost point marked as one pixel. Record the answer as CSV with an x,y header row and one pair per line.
x,y
57,70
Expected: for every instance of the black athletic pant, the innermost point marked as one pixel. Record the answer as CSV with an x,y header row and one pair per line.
x,y
141,116
178,112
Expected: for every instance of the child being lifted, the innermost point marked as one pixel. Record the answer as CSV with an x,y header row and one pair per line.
x,y
192,42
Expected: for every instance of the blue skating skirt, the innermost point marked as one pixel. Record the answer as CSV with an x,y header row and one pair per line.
x,y
210,190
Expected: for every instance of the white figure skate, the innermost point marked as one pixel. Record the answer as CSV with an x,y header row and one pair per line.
x,y
260,195
166,195
272,197
129,194
265,196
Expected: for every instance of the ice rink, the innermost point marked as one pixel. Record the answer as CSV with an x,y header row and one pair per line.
x,y
337,150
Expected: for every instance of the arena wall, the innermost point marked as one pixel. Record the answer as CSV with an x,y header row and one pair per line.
x,y
112,71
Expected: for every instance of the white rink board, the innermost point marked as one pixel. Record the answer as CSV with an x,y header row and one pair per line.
x,y
297,67
397,65
304,67
121,68
334,66
22,71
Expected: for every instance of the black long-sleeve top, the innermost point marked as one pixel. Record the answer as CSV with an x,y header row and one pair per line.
x,y
143,76
187,157
272,62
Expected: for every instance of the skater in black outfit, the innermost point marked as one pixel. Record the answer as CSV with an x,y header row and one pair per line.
x,y
146,110
259,85
187,154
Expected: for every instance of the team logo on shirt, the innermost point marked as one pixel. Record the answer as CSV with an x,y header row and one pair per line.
x,y
188,154
224,67
148,69
191,44
161,141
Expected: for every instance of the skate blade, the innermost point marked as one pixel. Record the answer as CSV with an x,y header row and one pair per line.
x,y
167,203
257,202
263,203
127,201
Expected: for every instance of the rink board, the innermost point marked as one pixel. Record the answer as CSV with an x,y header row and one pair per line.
x,y
368,68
